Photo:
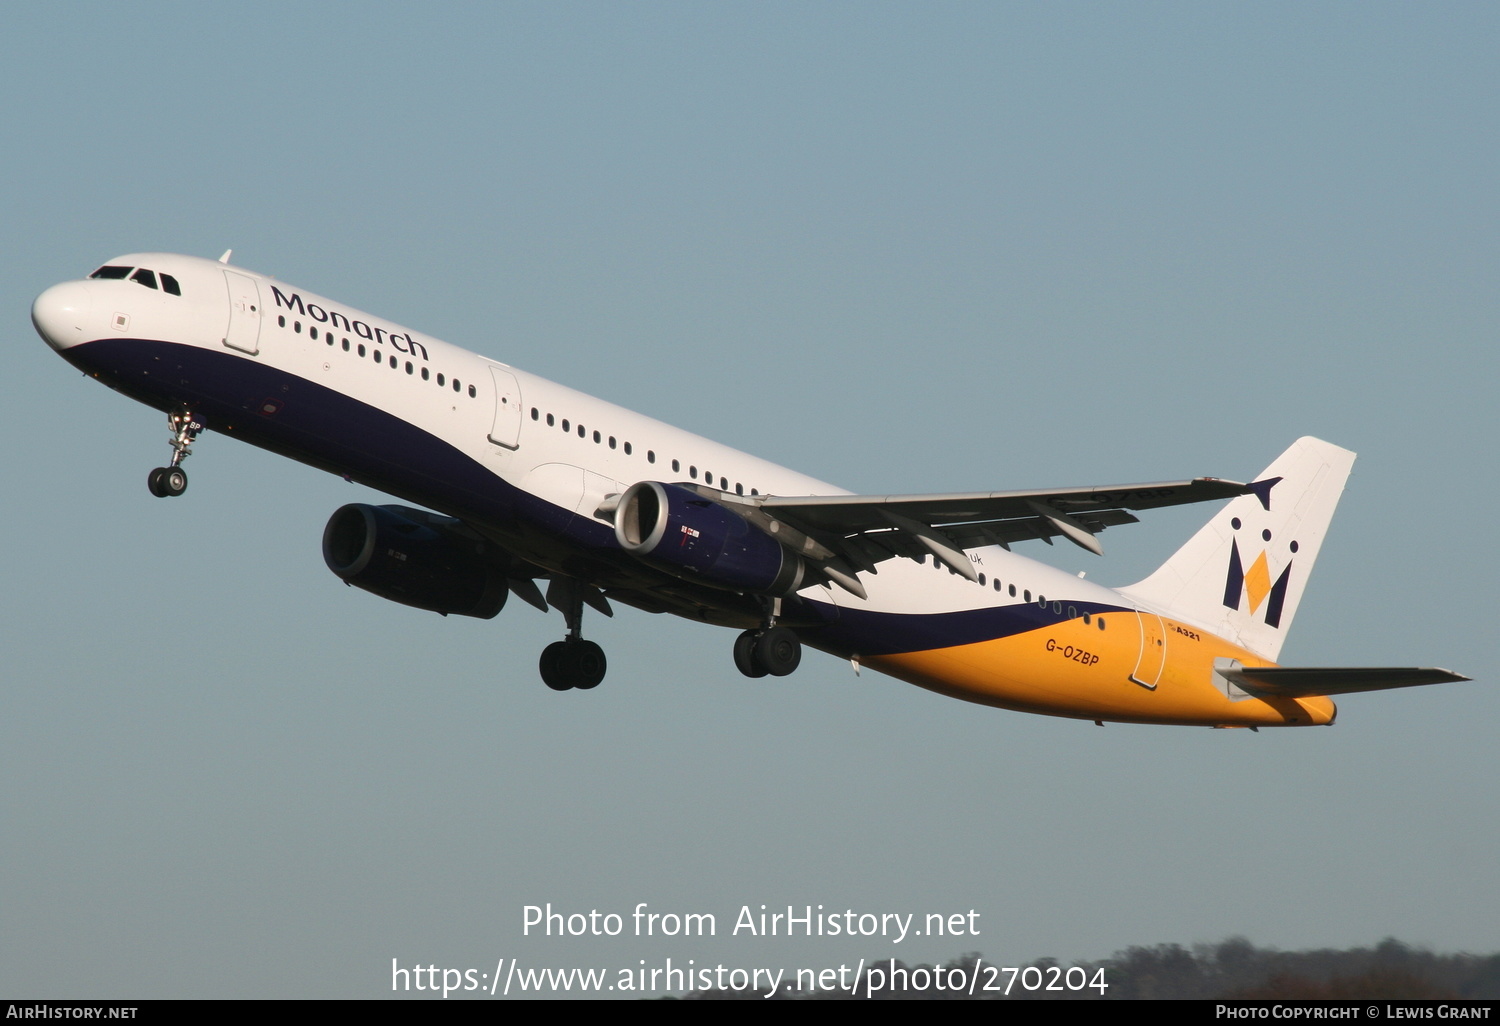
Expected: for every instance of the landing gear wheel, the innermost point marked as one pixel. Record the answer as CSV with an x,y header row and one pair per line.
x,y
587,664
778,651
573,664
744,655
166,482
551,667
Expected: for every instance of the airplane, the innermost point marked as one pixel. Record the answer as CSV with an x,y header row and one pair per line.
x,y
525,483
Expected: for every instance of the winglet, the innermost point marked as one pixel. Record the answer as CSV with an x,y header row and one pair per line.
x,y
1262,490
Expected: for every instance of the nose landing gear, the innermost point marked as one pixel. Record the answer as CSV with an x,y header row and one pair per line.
x,y
171,480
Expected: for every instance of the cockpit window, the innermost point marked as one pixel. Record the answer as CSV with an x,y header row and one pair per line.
x,y
142,276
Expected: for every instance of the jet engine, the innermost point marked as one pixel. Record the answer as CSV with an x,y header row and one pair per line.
x,y
698,539
415,558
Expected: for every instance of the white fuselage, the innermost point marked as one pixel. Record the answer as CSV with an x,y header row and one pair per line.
x,y
534,465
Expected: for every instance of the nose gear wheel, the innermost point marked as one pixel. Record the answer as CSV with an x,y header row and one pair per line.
x,y
171,480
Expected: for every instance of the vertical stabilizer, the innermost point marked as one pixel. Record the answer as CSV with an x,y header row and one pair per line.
x,y
1242,575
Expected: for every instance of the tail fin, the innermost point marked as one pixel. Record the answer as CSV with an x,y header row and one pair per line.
x,y
1242,575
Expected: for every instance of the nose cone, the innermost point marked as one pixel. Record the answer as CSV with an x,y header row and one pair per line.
x,y
61,313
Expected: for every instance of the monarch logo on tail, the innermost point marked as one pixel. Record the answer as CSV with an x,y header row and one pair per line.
x,y
1255,583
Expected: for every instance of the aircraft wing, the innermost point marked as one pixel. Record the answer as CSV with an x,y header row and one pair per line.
x,y
854,532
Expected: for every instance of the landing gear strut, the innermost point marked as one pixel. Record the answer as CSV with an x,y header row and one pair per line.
x,y
572,662
165,482
772,649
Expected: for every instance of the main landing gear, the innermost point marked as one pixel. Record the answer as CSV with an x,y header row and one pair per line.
x,y
771,650
171,480
572,662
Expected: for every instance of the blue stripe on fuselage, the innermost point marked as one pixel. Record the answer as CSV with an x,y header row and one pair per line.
x,y
335,432
321,427
871,633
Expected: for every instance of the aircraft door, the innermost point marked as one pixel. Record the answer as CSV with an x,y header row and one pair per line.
x,y
506,428
1153,655
243,332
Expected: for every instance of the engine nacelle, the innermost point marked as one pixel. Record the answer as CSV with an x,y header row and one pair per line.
x,y
701,540
423,562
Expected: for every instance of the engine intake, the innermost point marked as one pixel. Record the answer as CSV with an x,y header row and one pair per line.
x,y
415,558
704,541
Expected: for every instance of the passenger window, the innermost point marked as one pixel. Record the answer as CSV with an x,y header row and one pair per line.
x,y
169,285
472,393
144,277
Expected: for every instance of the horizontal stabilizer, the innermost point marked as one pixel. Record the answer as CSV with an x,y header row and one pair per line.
x,y
1309,681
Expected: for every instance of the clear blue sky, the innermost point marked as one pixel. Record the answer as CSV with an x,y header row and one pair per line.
x,y
903,247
